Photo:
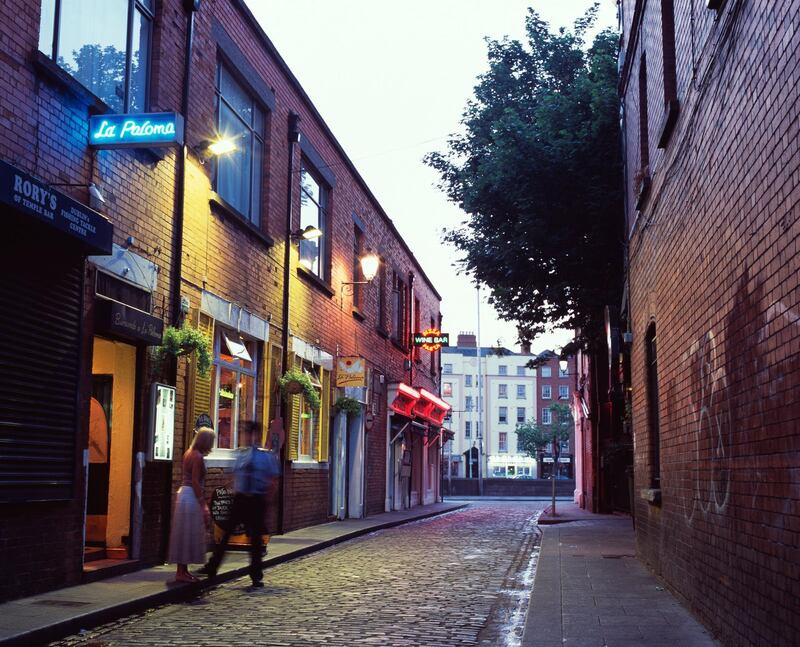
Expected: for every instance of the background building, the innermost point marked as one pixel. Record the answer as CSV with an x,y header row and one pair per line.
x,y
710,107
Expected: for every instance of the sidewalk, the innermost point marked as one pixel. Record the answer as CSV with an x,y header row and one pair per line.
x,y
590,590
49,616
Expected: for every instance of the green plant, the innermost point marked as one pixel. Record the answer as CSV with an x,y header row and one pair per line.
x,y
347,405
297,377
186,341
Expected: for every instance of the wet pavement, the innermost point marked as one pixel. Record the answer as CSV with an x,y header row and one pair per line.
x,y
462,578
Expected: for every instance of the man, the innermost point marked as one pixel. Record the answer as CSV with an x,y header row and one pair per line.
x,y
254,473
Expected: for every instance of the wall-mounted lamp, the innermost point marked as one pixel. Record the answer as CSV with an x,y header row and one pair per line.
x,y
309,233
209,148
370,262
96,199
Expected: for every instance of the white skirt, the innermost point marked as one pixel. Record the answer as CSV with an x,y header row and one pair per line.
x,y
187,539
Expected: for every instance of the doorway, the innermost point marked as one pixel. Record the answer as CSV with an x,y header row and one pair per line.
x,y
347,482
110,450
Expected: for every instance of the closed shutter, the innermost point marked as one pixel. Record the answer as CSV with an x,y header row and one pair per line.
x,y
202,383
324,416
40,288
292,428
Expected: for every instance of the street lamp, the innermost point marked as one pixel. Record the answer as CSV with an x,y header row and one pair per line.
x,y
370,262
309,233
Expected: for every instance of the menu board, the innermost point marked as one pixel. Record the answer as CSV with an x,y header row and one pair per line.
x,y
162,415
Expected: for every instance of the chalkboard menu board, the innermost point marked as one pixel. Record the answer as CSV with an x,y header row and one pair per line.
x,y
221,505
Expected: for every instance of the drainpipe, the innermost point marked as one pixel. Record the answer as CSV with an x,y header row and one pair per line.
x,y
293,138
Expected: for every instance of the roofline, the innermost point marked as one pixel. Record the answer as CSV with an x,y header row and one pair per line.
x,y
260,33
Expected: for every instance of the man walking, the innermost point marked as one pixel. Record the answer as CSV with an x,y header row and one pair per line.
x,y
254,473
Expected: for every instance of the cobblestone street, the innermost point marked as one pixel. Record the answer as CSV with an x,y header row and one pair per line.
x,y
458,579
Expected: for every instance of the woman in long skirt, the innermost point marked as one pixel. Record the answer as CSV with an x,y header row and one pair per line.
x,y
191,517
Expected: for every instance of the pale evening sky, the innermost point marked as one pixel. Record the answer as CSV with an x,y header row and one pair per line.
x,y
391,81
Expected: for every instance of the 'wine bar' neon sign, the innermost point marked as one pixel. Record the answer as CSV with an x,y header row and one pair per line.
x,y
431,339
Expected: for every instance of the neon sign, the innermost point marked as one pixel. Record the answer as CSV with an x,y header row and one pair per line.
x,y
431,339
147,130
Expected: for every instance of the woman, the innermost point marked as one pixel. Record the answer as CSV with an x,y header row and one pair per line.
x,y
187,541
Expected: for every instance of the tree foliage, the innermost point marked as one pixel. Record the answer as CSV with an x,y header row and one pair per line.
x,y
533,437
538,172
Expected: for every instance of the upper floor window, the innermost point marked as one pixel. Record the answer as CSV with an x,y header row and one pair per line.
x,y
468,380
447,369
468,403
502,391
502,441
358,274
563,369
547,392
502,369
467,429
313,212
104,44
238,173
520,415
520,370
447,389
502,415
547,416
563,392
521,392
399,308
546,371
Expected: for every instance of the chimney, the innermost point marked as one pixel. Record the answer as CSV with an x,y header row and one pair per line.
x,y
526,347
467,340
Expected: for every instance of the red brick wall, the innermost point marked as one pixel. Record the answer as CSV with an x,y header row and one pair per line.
x,y
714,262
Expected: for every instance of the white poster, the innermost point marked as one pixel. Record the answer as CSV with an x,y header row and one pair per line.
x,y
163,417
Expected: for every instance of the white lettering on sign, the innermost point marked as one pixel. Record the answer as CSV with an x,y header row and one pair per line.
x,y
133,129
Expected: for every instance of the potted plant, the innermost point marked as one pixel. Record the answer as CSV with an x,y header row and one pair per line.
x,y
349,406
187,341
295,381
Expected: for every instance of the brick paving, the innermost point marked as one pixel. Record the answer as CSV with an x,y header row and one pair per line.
x,y
458,579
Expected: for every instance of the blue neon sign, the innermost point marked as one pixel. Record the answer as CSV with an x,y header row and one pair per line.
x,y
146,130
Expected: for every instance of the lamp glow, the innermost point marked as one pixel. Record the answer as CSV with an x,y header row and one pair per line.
x,y
221,146
310,233
369,266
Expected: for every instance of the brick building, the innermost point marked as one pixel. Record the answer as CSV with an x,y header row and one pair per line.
x,y
177,236
555,385
710,100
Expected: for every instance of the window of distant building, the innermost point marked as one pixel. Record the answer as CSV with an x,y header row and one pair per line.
x,y
467,429
520,415
447,369
502,415
547,392
502,369
521,392
520,370
502,391
563,392
103,45
502,441
547,416
468,403
563,369
447,389
546,371
468,380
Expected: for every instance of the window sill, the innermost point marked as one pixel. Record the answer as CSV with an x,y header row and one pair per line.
x,y
668,124
222,208
224,458
306,464
382,333
315,281
358,315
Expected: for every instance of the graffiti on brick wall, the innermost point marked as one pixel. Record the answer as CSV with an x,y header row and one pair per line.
x,y
707,478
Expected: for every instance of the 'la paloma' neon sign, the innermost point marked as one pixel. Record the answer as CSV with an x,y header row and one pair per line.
x,y
431,339
147,130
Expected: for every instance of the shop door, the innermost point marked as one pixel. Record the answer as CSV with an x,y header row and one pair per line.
x,y
355,463
108,496
339,461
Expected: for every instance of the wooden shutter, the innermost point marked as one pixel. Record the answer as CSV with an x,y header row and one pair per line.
x,y
202,383
293,428
324,416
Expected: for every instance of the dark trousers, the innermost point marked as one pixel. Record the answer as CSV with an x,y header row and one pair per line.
x,y
248,510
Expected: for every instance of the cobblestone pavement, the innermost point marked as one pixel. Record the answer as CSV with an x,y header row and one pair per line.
x,y
462,578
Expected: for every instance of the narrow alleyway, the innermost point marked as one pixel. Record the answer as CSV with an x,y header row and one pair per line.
x,y
459,579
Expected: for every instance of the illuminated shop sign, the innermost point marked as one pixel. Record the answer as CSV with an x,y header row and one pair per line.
x,y
146,130
431,339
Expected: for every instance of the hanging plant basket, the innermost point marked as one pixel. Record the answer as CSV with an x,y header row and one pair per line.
x,y
187,341
347,405
294,382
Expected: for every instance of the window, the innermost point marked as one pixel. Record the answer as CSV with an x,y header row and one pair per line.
x,y
447,389
502,369
308,425
447,369
382,296
234,386
467,429
653,405
547,416
502,391
644,146
502,415
546,371
520,415
499,471
547,392
502,441
669,74
564,446
520,392
313,212
358,252
399,296
520,449
520,370
468,403
563,392
105,45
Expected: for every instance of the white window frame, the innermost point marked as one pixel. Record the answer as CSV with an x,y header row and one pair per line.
x,y
524,413
447,369
563,392
502,369
547,416
547,371
521,392
547,392
502,415
502,442
502,391
467,429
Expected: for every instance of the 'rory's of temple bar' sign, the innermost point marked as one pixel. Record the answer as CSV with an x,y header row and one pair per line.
x,y
147,130
431,339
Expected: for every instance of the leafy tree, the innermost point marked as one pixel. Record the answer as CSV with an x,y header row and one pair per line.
x,y
538,171
532,437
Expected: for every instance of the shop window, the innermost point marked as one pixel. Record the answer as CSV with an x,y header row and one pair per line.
x,y
233,389
546,371
502,441
308,435
547,392
241,119
499,471
314,196
547,416
502,415
103,44
521,392
502,391
563,392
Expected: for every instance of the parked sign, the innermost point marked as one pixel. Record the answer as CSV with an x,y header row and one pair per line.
x,y
147,130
